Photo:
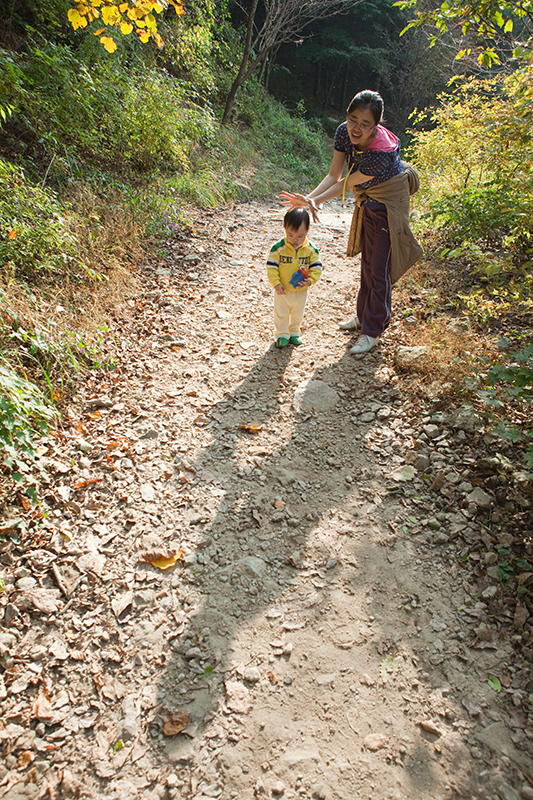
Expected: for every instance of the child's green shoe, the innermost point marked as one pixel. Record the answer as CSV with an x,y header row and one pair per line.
x,y
282,342
296,340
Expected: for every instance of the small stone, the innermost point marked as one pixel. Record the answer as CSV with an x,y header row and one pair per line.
x,y
375,741
253,566
440,538
252,675
151,433
278,787
489,592
479,498
431,431
506,792
320,792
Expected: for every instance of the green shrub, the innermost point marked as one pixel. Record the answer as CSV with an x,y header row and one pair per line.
x,y
475,167
34,237
24,418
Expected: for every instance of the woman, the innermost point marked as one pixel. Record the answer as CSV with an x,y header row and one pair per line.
x,y
380,226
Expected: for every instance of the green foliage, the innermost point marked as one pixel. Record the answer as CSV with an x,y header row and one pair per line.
x,y
24,418
295,150
33,235
508,22
476,174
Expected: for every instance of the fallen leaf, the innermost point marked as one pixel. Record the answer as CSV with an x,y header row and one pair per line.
x,y
42,708
520,616
403,474
249,428
123,606
175,722
438,481
164,559
494,683
25,758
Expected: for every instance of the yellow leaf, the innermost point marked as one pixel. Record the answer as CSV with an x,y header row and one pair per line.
x,y
82,8
76,20
123,7
99,31
108,43
144,36
178,7
159,40
165,563
125,28
158,8
140,23
150,22
12,234
111,15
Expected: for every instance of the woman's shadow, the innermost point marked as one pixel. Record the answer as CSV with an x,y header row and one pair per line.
x,y
281,459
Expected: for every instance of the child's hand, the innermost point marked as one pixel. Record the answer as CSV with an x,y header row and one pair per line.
x,y
306,282
278,288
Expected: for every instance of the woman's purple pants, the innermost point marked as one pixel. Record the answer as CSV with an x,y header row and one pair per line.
x,y
374,298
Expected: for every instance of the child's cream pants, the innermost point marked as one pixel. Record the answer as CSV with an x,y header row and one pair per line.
x,y
288,312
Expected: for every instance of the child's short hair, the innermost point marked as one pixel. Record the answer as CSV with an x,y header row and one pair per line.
x,y
294,217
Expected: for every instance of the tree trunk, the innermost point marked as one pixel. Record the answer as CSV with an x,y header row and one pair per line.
x,y
241,76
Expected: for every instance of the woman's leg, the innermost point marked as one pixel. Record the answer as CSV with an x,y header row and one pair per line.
x,y
374,298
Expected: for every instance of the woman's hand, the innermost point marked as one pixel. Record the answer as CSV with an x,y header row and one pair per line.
x,y
296,200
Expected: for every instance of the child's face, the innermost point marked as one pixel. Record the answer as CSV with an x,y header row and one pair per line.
x,y
296,237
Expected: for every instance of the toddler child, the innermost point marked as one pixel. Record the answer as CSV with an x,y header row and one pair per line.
x,y
292,253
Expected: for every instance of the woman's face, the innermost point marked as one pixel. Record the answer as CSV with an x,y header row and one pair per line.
x,y
361,127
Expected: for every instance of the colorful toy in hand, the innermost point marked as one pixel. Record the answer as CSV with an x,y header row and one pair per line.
x,y
299,277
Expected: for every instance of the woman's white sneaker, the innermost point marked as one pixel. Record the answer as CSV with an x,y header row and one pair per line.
x,y
350,324
364,344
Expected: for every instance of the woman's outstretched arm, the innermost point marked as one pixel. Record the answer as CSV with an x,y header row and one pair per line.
x,y
331,186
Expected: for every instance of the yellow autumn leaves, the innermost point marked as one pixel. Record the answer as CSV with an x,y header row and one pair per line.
x,y
138,15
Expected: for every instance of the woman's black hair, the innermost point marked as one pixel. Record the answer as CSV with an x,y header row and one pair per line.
x,y
368,100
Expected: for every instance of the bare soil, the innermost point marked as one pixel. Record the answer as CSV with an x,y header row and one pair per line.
x,y
328,625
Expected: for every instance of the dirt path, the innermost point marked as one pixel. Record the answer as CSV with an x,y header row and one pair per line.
x,y
317,636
